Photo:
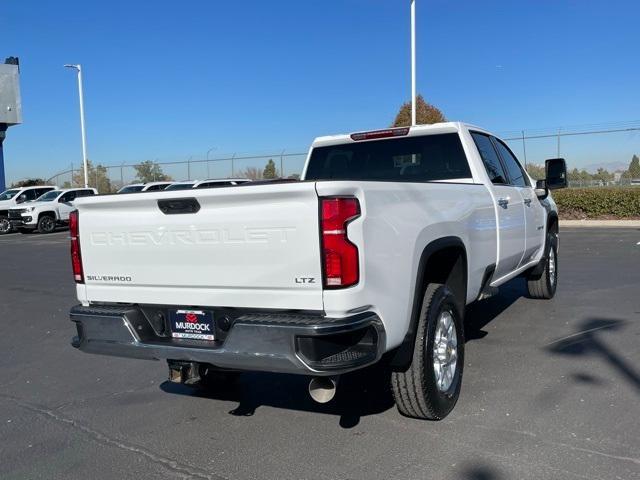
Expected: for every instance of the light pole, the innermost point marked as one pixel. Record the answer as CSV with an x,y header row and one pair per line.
x,y
78,69
212,149
413,63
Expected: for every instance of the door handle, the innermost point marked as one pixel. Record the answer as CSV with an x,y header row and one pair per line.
x,y
527,202
177,206
503,202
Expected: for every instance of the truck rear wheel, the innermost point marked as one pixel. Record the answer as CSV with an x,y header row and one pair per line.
x,y
430,386
544,285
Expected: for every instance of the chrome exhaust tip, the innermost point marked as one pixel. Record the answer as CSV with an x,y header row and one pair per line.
x,y
323,389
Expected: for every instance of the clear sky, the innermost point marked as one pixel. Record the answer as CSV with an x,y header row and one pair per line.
x,y
168,80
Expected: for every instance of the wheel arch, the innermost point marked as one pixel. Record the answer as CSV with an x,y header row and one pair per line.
x,y
47,213
553,225
443,260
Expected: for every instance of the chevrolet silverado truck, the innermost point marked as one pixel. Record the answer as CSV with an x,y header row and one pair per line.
x,y
371,257
16,196
48,211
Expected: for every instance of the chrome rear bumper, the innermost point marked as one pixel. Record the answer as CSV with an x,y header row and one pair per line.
x,y
275,342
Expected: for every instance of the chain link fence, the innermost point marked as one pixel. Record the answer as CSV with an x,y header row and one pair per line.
x,y
596,156
110,178
586,149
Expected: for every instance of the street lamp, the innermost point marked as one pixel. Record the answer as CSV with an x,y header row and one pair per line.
x,y
413,63
78,68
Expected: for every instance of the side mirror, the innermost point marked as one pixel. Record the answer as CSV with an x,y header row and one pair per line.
x,y
555,173
541,190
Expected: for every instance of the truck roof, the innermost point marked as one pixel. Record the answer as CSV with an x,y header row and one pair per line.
x,y
413,131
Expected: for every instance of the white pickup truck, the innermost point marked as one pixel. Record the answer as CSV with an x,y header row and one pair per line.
x,y
48,211
372,256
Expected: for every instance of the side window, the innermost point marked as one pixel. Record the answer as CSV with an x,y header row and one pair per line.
x,y
68,197
30,194
215,184
41,191
516,173
490,158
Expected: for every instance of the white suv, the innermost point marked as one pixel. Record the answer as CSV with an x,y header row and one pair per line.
x,y
16,196
48,211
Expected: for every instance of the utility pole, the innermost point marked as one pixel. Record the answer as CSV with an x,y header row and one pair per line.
x,y
413,63
78,68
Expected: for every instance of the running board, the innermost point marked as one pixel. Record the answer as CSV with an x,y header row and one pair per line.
x,y
488,292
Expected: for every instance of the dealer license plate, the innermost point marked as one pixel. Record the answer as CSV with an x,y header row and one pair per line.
x,y
194,324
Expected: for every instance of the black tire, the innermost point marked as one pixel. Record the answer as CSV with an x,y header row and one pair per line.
x,y
5,225
46,224
543,285
415,390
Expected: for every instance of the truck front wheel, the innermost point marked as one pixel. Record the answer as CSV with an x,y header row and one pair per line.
x,y
430,386
544,285
46,224
5,225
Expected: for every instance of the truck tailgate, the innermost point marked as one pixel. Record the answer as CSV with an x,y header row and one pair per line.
x,y
249,246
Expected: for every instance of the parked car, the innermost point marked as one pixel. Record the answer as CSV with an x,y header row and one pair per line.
x,y
221,182
186,185
372,257
134,187
154,186
49,211
16,196
144,187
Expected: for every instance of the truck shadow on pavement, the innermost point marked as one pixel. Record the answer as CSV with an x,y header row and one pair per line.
x,y
361,393
480,314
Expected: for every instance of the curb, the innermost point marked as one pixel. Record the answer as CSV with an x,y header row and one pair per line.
x,y
601,223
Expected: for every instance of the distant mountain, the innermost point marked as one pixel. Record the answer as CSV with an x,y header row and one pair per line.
x,y
609,166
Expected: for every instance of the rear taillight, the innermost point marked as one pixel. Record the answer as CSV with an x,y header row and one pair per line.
x,y
339,255
76,258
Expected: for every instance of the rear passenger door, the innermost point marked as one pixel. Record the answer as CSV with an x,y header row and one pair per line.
x,y
533,211
510,208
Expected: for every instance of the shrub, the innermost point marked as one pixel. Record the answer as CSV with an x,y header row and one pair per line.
x,y
598,203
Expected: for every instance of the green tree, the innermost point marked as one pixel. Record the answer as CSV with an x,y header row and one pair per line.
x,y
29,182
603,176
252,173
98,178
270,170
585,176
536,171
149,171
425,114
634,167
574,175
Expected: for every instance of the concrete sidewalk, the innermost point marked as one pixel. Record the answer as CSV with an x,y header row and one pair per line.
x,y
601,223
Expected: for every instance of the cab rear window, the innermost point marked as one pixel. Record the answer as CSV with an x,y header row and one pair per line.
x,y
410,159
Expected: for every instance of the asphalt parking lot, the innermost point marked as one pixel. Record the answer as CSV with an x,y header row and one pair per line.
x,y
551,391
